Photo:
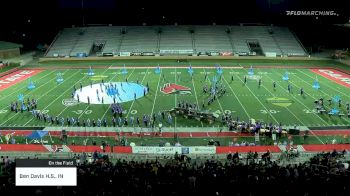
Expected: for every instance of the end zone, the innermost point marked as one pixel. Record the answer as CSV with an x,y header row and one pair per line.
x,y
16,77
335,76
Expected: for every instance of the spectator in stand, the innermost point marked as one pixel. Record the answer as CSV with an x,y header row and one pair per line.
x,y
324,174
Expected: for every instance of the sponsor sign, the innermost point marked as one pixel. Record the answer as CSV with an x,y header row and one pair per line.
x,y
148,54
226,53
125,54
256,136
270,54
69,102
16,77
214,53
336,76
176,52
155,150
136,54
202,150
81,54
185,150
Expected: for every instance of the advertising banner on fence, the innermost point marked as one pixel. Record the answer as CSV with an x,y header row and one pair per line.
x,y
202,150
125,53
270,54
155,150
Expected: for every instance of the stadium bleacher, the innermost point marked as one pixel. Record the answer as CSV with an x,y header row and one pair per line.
x,y
209,39
180,175
140,39
176,40
63,44
287,42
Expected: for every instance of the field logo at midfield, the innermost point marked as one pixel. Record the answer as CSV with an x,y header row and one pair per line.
x,y
171,88
69,102
336,76
279,101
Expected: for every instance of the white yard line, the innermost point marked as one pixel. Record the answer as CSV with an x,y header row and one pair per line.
x,y
195,93
325,94
111,104
316,136
58,96
175,83
37,100
259,101
87,107
16,91
222,110
237,99
127,115
284,107
175,99
310,96
65,109
294,96
347,95
157,89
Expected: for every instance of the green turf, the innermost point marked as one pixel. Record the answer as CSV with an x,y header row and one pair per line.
x,y
194,62
246,101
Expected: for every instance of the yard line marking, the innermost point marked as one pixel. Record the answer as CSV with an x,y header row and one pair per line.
x,y
315,98
237,98
285,107
195,93
26,86
294,96
58,96
175,100
66,108
327,85
28,94
127,115
258,100
316,136
88,106
157,89
222,110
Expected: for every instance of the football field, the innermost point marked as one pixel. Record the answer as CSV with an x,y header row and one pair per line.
x,y
244,101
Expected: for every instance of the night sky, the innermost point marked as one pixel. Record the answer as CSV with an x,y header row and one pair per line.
x,y
40,20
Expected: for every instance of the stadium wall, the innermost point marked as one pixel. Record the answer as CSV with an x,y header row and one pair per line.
x,y
9,53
